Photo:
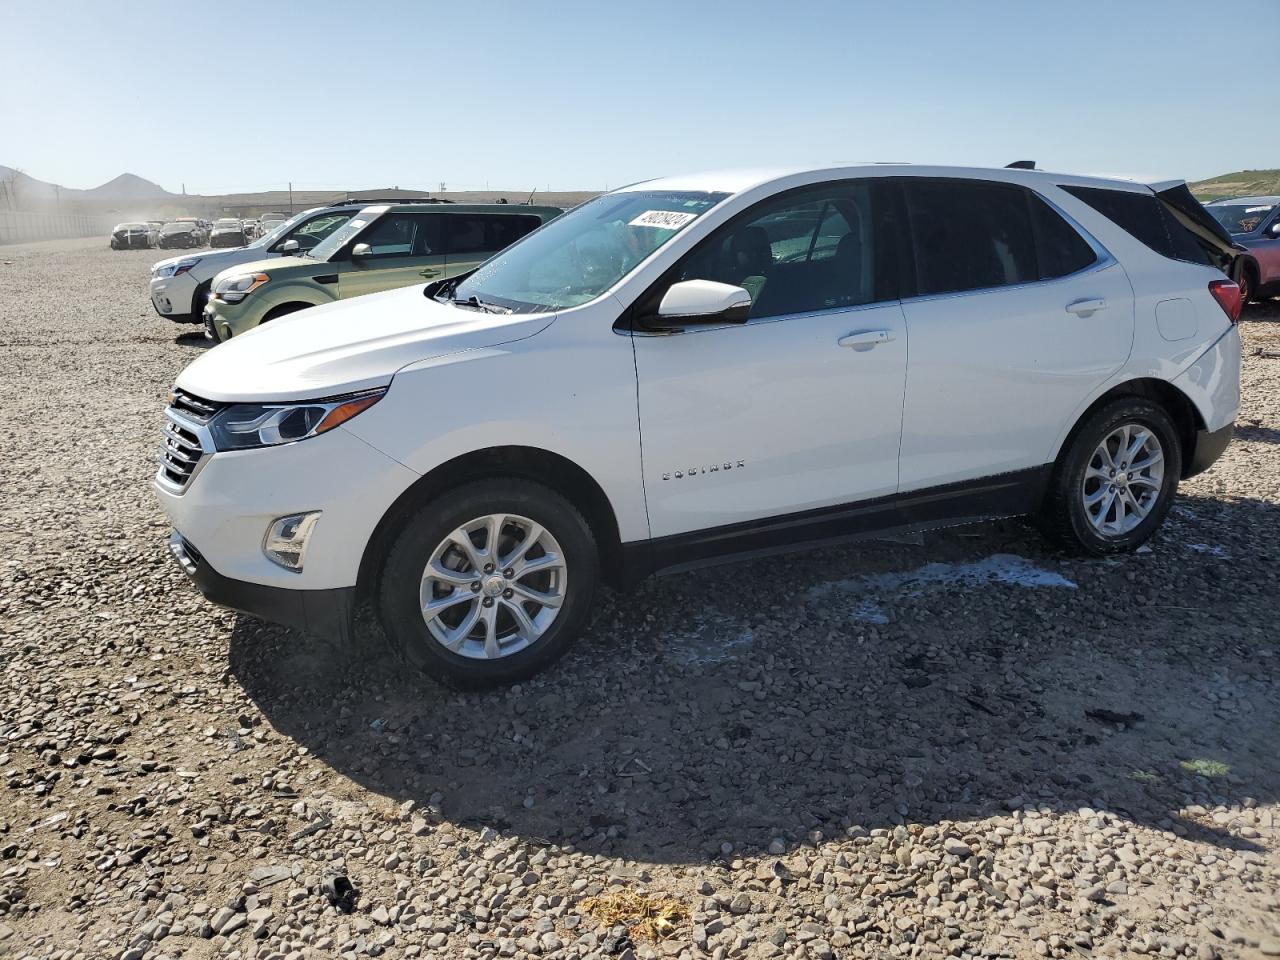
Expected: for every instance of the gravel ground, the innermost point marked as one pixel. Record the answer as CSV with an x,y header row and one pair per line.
x,y
967,744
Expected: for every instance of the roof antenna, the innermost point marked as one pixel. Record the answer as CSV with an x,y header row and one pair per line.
x,y
531,193
1021,165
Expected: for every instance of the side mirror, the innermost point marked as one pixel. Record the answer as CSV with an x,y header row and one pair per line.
x,y
361,250
288,247
703,302
1274,229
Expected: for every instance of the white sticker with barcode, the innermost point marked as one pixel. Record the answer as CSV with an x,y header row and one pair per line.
x,y
1256,209
663,219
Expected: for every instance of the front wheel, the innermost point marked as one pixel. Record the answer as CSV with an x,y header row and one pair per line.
x,y
489,583
1115,483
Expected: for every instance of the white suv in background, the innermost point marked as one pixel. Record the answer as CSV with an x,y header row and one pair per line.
x,y
704,368
180,285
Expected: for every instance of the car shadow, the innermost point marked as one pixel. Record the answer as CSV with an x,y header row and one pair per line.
x,y
1257,434
194,338
951,678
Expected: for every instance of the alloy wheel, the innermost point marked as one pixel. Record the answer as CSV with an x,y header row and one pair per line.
x,y
493,586
1123,480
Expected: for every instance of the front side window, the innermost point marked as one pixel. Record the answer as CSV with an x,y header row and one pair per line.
x,y
313,231
578,256
807,250
970,235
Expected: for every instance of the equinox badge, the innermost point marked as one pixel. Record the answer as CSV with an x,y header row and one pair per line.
x,y
699,471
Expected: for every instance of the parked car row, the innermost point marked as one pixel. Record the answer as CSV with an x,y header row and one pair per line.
x,y
335,252
681,372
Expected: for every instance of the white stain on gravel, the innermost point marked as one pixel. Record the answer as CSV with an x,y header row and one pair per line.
x,y
714,638
997,568
1210,549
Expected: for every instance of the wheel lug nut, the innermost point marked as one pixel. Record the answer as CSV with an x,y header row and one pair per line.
x,y
488,601
508,573
488,568
475,587
508,593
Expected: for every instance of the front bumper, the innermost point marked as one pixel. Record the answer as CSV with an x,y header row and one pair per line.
x,y
322,613
171,297
234,496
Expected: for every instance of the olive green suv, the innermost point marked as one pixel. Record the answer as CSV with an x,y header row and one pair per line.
x,y
383,246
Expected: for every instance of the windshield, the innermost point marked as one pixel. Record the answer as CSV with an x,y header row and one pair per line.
x,y
1241,218
227,224
177,228
583,253
335,241
132,226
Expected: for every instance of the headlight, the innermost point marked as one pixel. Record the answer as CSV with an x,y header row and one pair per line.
x,y
244,426
234,289
178,268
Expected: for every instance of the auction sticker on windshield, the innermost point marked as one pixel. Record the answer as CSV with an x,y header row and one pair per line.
x,y
664,219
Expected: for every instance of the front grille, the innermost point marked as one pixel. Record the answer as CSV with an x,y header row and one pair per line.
x,y
183,450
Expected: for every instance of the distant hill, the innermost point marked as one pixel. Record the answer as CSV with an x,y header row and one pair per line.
x,y
131,197
1239,184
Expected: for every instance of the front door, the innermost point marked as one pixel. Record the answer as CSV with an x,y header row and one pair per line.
x,y
800,407
404,249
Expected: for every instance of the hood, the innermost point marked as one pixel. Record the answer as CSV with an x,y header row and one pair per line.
x,y
280,268
346,346
215,259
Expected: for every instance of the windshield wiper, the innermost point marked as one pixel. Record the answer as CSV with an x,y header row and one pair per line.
x,y
477,304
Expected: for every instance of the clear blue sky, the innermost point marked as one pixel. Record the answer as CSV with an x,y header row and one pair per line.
x,y
224,95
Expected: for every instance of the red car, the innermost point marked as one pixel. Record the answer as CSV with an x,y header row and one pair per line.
x,y
1254,223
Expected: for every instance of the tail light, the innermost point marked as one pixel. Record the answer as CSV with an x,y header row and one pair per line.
x,y
1227,293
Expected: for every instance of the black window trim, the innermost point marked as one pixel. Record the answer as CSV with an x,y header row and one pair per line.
x,y
1104,257
646,303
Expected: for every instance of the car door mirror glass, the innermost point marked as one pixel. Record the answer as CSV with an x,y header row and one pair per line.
x,y
361,250
288,247
703,302
1274,229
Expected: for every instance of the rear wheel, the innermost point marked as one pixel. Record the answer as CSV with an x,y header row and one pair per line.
x,y
1248,282
1116,482
489,583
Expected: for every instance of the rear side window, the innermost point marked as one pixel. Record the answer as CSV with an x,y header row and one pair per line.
x,y
1059,247
970,235
487,232
1145,218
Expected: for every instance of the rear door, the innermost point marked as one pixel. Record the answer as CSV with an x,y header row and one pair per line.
x,y
1017,318
472,238
405,248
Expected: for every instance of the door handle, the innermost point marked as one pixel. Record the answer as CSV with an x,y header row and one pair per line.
x,y
429,272
866,339
1086,308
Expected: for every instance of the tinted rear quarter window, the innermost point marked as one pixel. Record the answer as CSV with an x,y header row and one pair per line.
x,y
1145,218
970,235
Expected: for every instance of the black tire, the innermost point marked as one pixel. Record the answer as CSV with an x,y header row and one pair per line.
x,y
1248,283
400,581
1064,517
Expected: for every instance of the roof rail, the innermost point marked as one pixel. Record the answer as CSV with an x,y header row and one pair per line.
x,y
1021,165
343,203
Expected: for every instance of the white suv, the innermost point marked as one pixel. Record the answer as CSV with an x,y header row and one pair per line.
x,y
704,368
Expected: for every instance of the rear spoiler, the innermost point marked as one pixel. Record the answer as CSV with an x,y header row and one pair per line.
x,y
1189,212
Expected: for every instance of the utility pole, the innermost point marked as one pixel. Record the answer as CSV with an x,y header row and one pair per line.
x,y
290,198
441,188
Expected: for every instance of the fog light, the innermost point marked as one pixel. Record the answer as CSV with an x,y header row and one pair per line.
x,y
286,540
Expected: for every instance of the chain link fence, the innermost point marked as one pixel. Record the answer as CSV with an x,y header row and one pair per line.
x,y
20,227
